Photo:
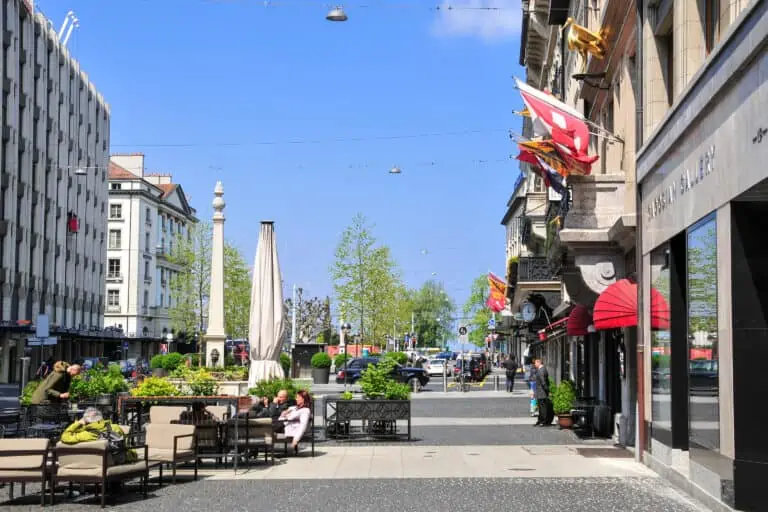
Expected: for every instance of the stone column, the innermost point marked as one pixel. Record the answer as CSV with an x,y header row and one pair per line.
x,y
215,336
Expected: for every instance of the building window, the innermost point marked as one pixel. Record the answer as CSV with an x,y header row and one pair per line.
x,y
147,243
661,347
538,184
115,186
113,298
115,239
115,211
113,268
703,358
147,276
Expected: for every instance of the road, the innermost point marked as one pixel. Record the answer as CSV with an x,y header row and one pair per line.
x,y
471,451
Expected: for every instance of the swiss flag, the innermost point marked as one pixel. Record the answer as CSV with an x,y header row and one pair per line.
x,y
564,124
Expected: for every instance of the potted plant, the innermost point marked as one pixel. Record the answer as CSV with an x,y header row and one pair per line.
x,y
156,364
321,368
563,398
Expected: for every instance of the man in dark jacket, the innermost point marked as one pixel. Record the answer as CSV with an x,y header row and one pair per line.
x,y
542,395
510,365
264,409
55,387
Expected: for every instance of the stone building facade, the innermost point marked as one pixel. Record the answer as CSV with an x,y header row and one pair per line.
x,y
53,197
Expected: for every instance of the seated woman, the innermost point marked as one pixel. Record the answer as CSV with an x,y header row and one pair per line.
x,y
296,418
93,427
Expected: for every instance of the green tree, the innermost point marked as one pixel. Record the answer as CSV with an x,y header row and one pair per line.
x,y
190,285
237,293
433,312
702,279
312,318
365,281
477,311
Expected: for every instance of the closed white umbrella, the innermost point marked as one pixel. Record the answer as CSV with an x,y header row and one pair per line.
x,y
267,322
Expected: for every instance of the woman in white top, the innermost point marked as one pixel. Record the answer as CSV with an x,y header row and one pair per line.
x,y
296,418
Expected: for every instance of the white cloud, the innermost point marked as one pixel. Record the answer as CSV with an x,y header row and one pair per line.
x,y
469,19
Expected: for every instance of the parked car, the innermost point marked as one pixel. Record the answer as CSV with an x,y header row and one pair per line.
x,y
415,377
438,367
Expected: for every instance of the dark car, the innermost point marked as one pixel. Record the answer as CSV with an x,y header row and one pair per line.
x,y
351,373
703,376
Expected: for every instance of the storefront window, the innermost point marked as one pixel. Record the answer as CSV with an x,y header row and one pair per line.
x,y
704,403
661,353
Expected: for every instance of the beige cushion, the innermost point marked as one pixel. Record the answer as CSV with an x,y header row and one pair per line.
x,y
22,462
82,461
165,413
10,474
75,472
163,455
162,436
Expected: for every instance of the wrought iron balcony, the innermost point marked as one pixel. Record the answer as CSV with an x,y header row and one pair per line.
x,y
535,269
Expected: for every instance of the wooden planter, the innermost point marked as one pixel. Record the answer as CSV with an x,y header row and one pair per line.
x,y
565,421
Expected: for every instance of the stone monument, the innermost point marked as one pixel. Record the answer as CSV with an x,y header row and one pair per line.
x,y
215,336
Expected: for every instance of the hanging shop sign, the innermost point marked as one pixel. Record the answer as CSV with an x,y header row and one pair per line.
x,y
685,184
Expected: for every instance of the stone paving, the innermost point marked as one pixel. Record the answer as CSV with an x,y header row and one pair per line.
x,y
471,451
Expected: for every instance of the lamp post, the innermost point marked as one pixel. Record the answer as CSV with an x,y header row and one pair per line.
x,y
337,14
344,329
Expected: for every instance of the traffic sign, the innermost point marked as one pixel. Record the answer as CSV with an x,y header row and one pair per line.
x,y
491,324
463,334
34,341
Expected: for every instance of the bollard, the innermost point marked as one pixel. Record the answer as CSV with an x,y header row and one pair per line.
x,y
445,382
495,382
25,361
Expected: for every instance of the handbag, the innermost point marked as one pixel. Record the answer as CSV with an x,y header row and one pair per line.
x,y
115,444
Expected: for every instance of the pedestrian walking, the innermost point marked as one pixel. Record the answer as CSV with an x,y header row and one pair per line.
x,y
510,366
546,414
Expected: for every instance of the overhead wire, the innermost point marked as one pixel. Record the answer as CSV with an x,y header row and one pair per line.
x,y
312,141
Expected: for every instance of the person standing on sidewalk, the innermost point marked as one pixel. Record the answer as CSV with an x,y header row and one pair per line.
x,y
542,395
510,365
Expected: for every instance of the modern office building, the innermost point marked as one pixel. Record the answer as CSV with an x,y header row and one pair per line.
x,y
703,199
53,195
147,212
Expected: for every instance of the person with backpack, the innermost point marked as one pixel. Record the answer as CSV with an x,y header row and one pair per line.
x,y
93,427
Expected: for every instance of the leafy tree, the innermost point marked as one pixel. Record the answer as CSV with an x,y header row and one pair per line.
x,y
477,311
190,286
434,312
237,293
365,281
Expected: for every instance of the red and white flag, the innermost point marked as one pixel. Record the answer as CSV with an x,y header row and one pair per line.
x,y
552,117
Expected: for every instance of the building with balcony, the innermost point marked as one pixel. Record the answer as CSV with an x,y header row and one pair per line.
x,y
147,214
590,231
53,195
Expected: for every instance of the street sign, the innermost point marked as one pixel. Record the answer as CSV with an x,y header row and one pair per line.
x,y
41,327
125,345
34,341
491,324
463,334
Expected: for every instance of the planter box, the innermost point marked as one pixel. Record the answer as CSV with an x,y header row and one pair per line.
x,y
378,418
321,375
226,387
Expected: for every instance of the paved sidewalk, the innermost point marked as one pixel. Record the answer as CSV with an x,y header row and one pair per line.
x,y
409,462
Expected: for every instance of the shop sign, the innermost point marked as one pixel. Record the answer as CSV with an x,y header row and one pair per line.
x,y
684,184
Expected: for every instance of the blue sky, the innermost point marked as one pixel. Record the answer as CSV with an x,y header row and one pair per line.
x,y
222,77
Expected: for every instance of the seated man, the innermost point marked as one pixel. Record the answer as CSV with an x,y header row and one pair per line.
x,y
93,427
264,409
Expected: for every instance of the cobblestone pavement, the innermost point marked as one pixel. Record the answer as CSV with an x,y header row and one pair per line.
x,y
461,458
460,494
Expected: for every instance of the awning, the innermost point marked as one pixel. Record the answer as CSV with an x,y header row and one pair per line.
x,y
617,307
579,321
553,329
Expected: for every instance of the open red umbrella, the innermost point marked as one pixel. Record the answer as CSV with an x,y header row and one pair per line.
x,y
617,307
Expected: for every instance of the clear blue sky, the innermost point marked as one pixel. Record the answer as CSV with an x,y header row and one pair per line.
x,y
209,73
